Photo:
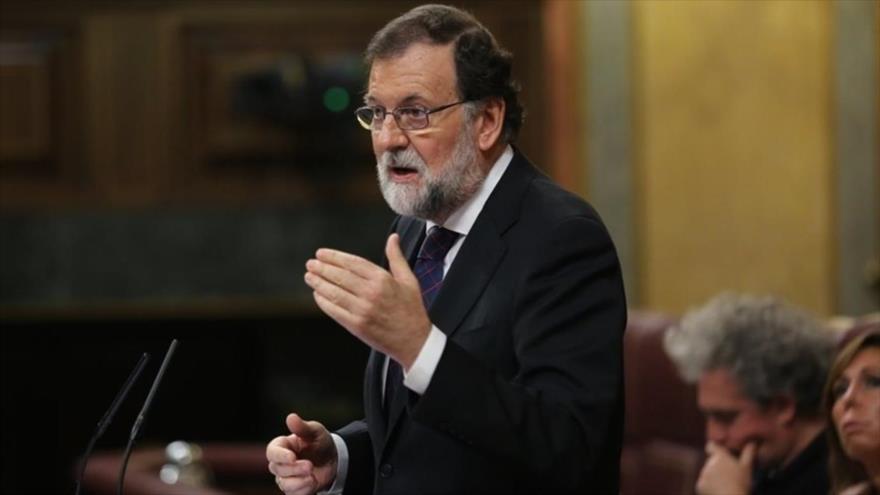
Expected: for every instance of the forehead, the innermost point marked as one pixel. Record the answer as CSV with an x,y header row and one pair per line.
x,y
866,358
718,389
423,73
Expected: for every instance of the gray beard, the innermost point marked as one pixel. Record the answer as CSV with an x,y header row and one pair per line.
x,y
436,196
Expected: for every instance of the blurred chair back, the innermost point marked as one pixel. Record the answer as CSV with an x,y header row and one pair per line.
x,y
663,429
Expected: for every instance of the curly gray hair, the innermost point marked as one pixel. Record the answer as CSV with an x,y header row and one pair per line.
x,y
772,348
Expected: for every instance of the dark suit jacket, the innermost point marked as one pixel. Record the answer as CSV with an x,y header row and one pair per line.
x,y
528,394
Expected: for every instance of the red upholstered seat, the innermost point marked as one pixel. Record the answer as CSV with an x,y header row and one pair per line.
x,y
663,429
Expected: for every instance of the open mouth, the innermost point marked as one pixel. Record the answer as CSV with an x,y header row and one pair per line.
x,y
403,173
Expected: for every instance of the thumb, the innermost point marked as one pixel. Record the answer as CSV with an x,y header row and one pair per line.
x,y
400,269
301,428
712,448
747,456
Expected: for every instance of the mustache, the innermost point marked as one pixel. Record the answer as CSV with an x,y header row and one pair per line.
x,y
406,158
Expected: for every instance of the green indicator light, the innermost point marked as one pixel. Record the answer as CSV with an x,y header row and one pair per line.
x,y
336,99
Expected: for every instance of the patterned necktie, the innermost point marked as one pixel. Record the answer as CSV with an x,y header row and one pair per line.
x,y
429,271
429,263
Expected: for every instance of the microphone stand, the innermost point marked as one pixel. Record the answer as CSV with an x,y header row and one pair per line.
x,y
135,429
108,417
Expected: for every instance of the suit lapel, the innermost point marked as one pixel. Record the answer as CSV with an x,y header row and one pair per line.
x,y
466,279
412,233
474,265
483,248
373,401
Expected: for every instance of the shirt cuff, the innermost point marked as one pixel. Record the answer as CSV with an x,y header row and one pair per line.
x,y
418,377
341,466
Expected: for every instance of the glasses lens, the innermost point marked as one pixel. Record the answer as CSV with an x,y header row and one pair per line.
x,y
412,118
365,116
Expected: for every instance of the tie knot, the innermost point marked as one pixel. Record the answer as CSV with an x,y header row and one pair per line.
x,y
437,243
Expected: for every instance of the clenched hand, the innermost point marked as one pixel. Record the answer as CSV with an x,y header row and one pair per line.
x,y
303,462
724,473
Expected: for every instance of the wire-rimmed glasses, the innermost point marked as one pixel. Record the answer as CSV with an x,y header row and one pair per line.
x,y
371,117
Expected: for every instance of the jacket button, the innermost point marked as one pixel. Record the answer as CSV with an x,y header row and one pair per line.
x,y
386,470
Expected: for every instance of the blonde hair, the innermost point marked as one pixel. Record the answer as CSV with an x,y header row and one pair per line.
x,y
845,471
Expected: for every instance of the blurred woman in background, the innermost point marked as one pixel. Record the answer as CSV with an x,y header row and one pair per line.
x,y
852,407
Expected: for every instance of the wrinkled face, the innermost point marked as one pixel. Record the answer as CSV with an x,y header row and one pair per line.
x,y
733,420
429,172
856,409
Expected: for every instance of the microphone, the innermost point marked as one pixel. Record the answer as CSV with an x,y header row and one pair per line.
x,y
108,417
135,429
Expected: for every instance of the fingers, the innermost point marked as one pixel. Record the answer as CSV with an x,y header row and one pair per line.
x,y
293,475
357,265
297,469
715,450
747,457
712,448
280,450
297,485
343,279
340,314
336,275
338,295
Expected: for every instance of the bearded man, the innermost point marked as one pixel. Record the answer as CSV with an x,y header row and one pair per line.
x,y
496,323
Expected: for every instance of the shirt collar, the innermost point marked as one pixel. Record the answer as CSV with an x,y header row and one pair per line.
x,y
462,219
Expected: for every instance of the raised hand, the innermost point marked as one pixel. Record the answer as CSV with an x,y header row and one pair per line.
x,y
382,308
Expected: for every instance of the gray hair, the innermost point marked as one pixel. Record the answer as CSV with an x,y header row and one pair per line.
x,y
483,69
772,348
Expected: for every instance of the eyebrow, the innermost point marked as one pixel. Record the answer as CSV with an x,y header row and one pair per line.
x,y
717,410
407,100
865,369
845,380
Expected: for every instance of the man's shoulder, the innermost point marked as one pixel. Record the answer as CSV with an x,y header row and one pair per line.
x,y
547,202
544,198
807,474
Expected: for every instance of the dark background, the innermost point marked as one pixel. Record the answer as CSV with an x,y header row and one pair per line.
x,y
231,380
166,169
144,278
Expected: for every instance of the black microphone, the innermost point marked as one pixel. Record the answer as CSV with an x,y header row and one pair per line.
x,y
135,429
108,417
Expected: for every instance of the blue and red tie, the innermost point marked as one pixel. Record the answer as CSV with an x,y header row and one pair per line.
x,y
429,263
429,271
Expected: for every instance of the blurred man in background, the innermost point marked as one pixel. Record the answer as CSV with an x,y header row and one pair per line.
x,y
759,365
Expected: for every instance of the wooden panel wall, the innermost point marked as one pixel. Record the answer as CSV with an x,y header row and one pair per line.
x,y
734,151
40,137
146,103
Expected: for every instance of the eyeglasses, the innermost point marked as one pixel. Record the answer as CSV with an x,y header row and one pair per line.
x,y
371,118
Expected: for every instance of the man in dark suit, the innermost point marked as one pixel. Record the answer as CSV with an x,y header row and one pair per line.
x,y
497,322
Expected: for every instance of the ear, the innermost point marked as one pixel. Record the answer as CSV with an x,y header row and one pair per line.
x,y
489,123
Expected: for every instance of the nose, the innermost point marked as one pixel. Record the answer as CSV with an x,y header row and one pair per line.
x,y
715,432
849,398
389,137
